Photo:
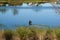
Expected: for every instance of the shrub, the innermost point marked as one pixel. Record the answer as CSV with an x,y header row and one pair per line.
x,y
8,34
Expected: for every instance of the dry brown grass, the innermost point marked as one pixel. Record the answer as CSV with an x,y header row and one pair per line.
x,y
1,35
26,33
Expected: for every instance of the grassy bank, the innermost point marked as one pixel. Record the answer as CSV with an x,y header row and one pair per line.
x,y
30,33
20,2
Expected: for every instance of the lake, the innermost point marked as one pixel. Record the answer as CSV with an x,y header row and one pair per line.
x,y
44,14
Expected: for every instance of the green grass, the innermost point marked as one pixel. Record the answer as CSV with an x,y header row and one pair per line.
x,y
57,31
32,33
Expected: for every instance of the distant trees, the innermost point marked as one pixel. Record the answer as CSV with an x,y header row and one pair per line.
x,y
19,2
15,2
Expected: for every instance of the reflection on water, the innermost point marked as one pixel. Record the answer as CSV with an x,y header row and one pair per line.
x,y
37,9
3,10
15,12
14,16
2,26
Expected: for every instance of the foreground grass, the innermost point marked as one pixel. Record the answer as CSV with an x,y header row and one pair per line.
x,y
30,33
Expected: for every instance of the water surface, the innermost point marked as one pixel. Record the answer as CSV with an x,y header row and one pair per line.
x,y
20,15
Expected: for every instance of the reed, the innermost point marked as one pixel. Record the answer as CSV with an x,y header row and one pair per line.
x,y
31,33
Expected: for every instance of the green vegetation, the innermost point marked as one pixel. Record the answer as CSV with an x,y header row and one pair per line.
x,y
19,2
57,31
31,33
8,34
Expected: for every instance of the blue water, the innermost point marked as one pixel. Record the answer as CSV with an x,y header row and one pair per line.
x,y
41,15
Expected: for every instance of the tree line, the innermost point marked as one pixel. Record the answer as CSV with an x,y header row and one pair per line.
x,y
19,2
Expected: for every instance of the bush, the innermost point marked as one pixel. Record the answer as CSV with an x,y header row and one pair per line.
x,y
8,34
